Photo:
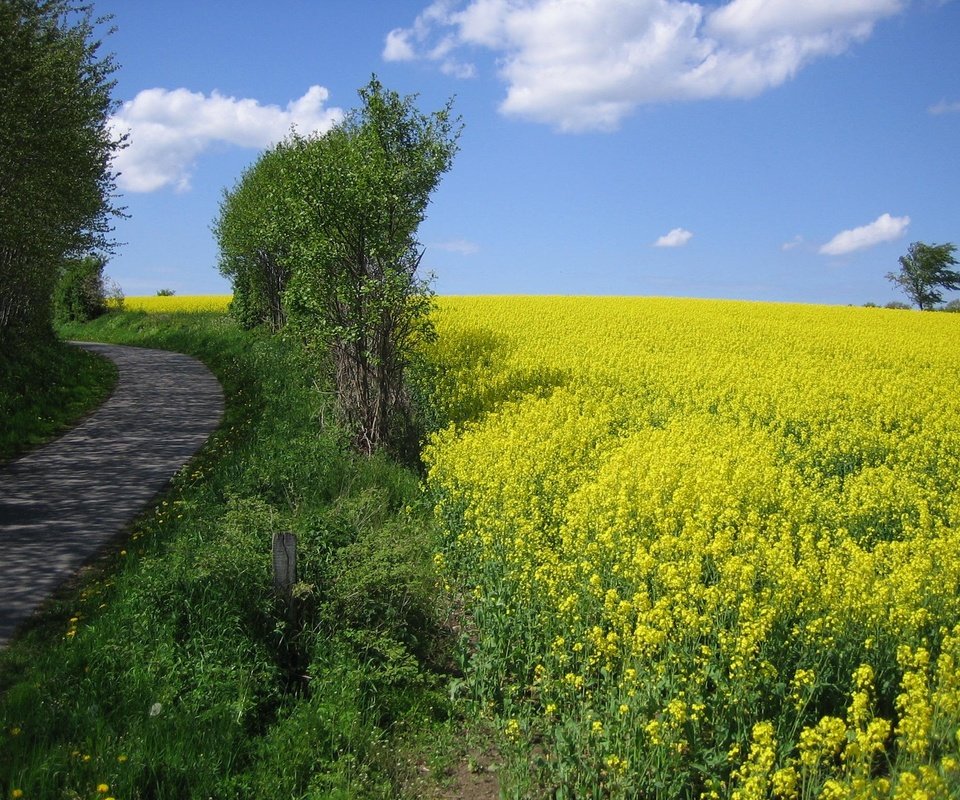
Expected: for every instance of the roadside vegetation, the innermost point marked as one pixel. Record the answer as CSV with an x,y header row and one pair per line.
x,y
47,389
56,202
57,193
172,669
319,236
45,384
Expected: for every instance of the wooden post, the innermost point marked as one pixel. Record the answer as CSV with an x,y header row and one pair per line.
x,y
284,563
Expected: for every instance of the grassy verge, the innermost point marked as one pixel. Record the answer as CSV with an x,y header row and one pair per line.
x,y
45,390
172,670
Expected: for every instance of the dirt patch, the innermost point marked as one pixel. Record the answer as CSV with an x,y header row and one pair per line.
x,y
471,775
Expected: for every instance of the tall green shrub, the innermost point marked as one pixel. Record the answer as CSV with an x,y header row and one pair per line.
x,y
255,230
56,184
323,228
80,295
356,292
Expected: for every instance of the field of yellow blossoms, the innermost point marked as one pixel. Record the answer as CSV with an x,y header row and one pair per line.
x,y
155,304
710,549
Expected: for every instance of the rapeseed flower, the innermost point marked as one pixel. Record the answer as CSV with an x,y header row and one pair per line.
x,y
729,518
167,304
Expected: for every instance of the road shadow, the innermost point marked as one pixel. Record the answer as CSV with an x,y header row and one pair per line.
x,y
63,502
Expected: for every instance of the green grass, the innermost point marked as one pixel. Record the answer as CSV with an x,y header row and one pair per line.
x,y
45,389
171,669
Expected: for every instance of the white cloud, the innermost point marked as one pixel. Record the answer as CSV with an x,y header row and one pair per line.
x,y
461,246
761,20
401,43
794,243
586,65
883,229
458,69
398,47
944,107
169,129
678,237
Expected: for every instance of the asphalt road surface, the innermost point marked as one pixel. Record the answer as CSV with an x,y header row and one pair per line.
x,y
62,503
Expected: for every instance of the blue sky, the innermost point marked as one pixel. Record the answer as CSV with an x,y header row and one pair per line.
x,y
752,149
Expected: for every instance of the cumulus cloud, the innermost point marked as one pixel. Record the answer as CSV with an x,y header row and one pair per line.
x,y
461,246
945,107
678,237
398,46
169,129
427,39
883,229
762,20
586,65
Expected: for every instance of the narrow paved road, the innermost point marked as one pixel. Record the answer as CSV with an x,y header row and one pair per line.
x,y
61,503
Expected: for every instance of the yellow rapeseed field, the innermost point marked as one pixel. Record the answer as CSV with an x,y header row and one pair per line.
x,y
711,549
155,304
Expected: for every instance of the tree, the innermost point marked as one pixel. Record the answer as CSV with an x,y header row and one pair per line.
x,y
321,232
924,270
255,230
56,184
356,290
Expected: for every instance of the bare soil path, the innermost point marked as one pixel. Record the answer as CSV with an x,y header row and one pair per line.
x,y
63,502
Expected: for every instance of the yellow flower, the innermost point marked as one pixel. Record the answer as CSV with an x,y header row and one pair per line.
x,y
154,304
784,782
651,491
103,788
616,764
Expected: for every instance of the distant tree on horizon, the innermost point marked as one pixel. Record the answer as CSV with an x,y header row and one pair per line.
x,y
924,271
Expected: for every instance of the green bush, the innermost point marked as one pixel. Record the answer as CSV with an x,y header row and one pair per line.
x,y
80,294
